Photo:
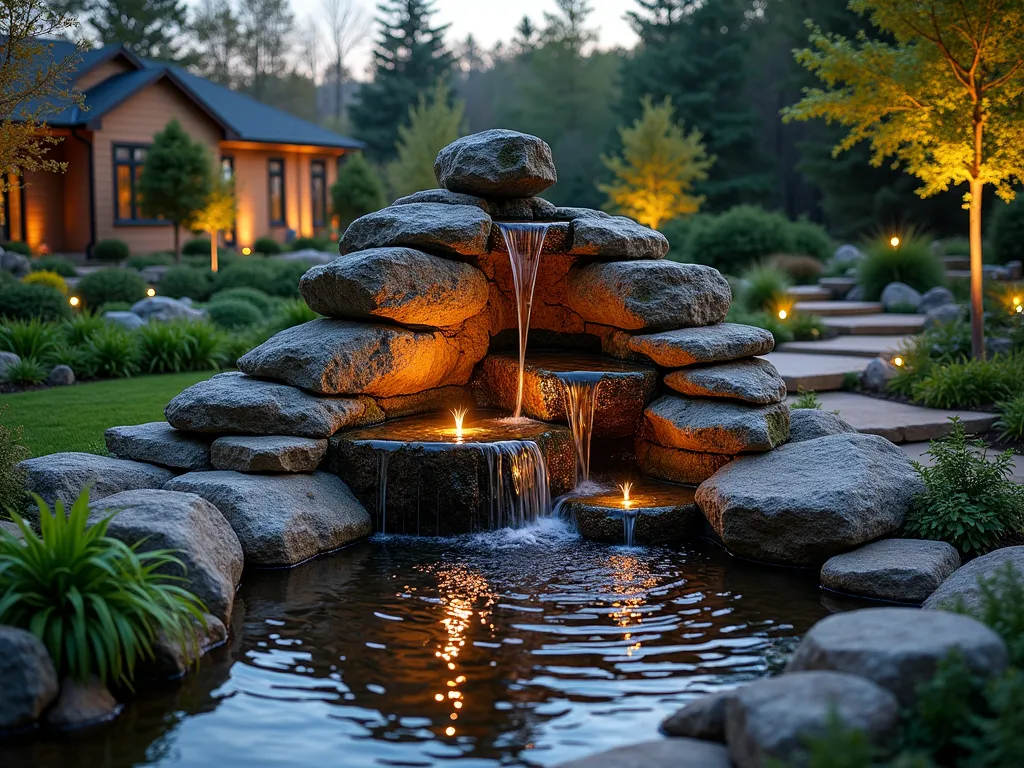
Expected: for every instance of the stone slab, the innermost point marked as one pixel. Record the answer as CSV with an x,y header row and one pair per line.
x,y
887,323
267,453
809,293
838,286
899,570
664,753
663,514
849,346
159,443
820,373
837,308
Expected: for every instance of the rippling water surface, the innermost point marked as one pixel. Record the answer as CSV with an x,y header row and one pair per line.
x,y
513,648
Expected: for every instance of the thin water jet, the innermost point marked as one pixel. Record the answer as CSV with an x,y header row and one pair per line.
x,y
579,394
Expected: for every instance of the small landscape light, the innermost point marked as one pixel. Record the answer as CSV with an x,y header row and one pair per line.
x,y
897,361
1019,309
894,241
151,292
1016,301
783,314
74,301
246,251
449,731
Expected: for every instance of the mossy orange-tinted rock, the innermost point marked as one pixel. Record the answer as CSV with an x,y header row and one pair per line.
x,y
677,465
460,230
716,426
689,346
753,381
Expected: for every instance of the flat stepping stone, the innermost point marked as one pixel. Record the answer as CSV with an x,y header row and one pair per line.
x,y
817,373
660,514
676,465
963,587
462,230
496,163
885,324
400,284
692,346
649,295
898,648
62,476
282,519
625,388
838,286
900,422
663,753
754,380
957,262
849,346
901,570
809,293
837,308
715,426
232,403
268,453
159,443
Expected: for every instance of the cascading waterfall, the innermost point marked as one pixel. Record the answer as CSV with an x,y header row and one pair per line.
x,y
524,243
524,495
383,450
579,394
629,517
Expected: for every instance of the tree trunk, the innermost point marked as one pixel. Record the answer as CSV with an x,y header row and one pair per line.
x,y
177,244
977,309
213,251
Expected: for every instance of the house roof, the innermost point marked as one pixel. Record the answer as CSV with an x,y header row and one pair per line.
x,y
241,117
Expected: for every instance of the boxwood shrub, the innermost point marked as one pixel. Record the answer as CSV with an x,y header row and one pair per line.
x,y
198,247
267,245
739,237
62,267
186,281
15,246
108,285
113,251
22,301
262,301
234,313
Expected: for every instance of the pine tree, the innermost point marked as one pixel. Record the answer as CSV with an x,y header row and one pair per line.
x,y
357,192
175,182
150,28
655,175
409,58
434,123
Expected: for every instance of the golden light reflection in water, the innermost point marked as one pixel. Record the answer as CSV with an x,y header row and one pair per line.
x,y
631,578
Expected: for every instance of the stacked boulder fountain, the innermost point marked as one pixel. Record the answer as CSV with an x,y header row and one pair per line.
x,y
587,360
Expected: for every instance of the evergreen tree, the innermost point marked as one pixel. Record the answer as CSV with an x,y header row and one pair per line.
x,y
357,192
175,182
696,54
434,123
409,58
150,28
655,175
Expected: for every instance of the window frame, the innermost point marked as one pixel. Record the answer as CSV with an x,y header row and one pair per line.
x,y
318,170
136,215
283,221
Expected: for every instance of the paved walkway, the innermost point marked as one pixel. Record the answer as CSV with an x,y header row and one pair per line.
x,y
820,373
857,346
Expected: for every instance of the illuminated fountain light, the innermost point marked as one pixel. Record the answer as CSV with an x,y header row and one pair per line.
x,y
644,512
580,394
629,514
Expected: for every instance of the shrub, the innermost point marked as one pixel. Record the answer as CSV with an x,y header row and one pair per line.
x,y
62,267
114,352
763,289
80,328
234,313
1001,607
77,358
29,338
810,239
49,279
186,281
968,500
16,246
21,301
806,400
151,260
245,274
113,251
314,243
737,238
970,383
769,321
1006,232
267,246
1010,423
12,480
108,285
256,297
802,270
178,347
94,602
238,343
27,372
956,246
913,263
357,191
286,276
292,313
200,246
204,347
806,327
114,306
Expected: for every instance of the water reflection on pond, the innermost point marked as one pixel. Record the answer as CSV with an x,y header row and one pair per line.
x,y
510,648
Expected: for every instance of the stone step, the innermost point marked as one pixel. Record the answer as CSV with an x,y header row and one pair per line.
x,y
900,422
919,452
809,293
855,346
838,308
837,286
821,373
882,324
957,262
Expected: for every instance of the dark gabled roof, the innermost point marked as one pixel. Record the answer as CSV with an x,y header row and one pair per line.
x,y
241,117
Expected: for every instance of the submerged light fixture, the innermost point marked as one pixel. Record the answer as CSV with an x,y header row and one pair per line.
x,y
460,416
626,487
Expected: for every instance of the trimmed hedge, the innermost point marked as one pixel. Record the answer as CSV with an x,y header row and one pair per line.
x,y
267,245
23,301
108,285
113,251
234,314
186,281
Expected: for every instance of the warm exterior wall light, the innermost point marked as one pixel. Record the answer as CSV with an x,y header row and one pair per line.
x,y
783,314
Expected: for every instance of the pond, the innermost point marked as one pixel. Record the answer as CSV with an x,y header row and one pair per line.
x,y
513,648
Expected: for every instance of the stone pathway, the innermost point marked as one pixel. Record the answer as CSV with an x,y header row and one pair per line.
x,y
856,346
820,373
838,308
883,324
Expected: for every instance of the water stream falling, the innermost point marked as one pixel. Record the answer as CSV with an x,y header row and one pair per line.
x,y
629,517
579,394
524,243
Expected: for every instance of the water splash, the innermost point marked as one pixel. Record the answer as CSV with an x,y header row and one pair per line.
x,y
579,393
524,243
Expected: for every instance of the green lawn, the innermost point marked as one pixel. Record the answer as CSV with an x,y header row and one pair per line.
x,y
74,418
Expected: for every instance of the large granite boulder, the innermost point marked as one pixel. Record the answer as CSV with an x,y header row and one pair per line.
x,y
7,359
654,295
164,309
127,320
267,453
901,570
189,524
810,424
898,648
173,659
692,346
443,196
496,164
771,720
282,519
663,753
157,442
15,263
616,238
454,229
676,465
754,380
340,357
28,681
963,587
715,426
232,403
62,476
400,284
805,502
702,718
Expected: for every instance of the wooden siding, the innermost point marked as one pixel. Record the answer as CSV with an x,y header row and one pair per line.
x,y
101,72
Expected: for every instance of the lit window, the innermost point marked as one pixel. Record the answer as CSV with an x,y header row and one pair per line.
x,y
318,171
275,172
128,164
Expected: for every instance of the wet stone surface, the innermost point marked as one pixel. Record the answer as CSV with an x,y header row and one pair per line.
x,y
664,514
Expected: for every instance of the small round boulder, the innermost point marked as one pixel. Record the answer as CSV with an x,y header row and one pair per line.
x,y
496,164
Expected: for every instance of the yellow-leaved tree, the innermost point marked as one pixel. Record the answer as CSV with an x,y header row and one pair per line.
x,y
658,168
218,215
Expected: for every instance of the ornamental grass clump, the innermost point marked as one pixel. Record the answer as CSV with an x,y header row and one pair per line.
x,y
913,263
96,603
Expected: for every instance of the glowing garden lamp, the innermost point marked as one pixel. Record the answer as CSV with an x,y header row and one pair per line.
x,y
783,314
247,251
74,301
151,292
898,361
894,241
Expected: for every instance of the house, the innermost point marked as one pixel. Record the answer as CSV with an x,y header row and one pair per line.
x,y
282,166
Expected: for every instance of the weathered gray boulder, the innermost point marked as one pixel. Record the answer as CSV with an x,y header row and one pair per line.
x,y
616,238
7,359
127,320
568,213
154,274
900,296
902,570
455,229
963,587
753,381
664,753
848,254
80,704
878,374
521,209
855,294
676,465
232,403
943,314
897,648
703,718
805,502
691,346
205,543
28,682
810,424
164,309
340,357
716,426
282,519
443,196
656,295
496,164
268,453
61,376
174,659
770,720
62,476
400,284
939,296
159,443
15,263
